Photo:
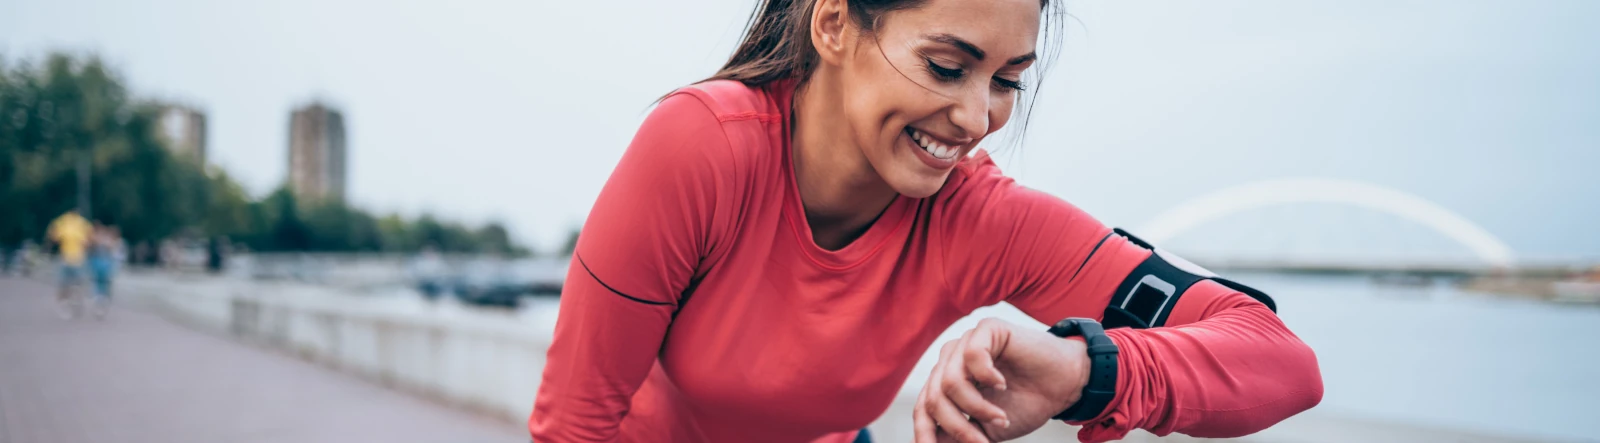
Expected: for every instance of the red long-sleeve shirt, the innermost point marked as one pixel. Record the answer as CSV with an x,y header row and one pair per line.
x,y
697,307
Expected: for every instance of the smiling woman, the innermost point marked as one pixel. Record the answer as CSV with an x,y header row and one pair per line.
x,y
782,241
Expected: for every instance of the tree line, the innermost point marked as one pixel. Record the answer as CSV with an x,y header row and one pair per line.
x,y
67,112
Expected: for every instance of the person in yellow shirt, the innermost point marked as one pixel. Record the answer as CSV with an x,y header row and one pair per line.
x,y
71,233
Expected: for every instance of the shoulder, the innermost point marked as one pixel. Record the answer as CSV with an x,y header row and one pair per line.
x,y
735,128
716,135
978,196
731,101
1001,240
752,117
975,183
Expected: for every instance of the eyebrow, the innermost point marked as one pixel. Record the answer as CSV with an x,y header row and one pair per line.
x,y
974,51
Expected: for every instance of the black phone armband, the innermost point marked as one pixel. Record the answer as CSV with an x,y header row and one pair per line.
x,y
1147,295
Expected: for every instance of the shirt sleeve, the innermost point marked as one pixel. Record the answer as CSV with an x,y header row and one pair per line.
x,y
1005,242
639,250
1223,366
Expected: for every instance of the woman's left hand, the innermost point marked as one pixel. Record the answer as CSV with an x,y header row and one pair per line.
x,y
998,382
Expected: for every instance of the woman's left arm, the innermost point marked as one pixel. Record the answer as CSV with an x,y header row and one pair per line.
x,y
1222,365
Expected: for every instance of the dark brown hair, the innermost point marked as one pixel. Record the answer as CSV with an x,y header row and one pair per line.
x,y
777,44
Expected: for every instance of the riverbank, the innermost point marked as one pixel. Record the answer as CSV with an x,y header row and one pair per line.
x,y
1576,289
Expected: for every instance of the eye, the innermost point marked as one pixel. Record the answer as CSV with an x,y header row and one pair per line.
x,y
943,73
1008,84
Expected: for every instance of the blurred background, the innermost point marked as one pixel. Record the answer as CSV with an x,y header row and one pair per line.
x,y
389,191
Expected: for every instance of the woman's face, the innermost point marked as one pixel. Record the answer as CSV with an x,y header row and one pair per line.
x,y
933,81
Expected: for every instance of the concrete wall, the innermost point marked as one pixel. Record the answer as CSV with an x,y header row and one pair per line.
x,y
487,363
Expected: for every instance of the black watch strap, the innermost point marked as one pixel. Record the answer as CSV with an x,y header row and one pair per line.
x,y
1102,385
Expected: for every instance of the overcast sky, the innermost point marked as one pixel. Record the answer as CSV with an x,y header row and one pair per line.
x,y
517,110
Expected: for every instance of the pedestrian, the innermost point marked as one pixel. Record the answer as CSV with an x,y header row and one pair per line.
x,y
105,252
70,233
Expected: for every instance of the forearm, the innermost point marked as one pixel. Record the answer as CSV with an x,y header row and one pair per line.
x,y
1226,366
604,347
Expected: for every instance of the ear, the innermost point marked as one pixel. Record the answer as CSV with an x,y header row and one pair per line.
x,y
830,20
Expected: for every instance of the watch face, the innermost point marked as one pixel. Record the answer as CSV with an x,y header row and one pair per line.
x,y
1068,327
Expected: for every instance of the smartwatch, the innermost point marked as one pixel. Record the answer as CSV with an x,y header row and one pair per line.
x,y
1102,385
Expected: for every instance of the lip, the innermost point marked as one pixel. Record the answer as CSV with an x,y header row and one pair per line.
x,y
928,158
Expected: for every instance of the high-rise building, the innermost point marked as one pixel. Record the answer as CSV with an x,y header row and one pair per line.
x,y
185,131
317,153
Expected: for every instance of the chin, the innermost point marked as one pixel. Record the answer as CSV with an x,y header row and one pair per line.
x,y
913,171
917,185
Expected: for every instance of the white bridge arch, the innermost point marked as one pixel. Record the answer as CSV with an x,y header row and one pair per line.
x,y
1235,199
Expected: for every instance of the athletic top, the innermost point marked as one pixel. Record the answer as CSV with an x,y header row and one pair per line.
x,y
72,232
698,309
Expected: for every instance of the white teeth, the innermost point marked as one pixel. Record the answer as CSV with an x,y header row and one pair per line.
x,y
939,151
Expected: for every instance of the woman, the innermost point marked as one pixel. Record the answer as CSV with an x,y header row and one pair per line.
x,y
781,242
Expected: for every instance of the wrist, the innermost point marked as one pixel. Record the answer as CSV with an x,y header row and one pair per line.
x,y
1094,367
1075,365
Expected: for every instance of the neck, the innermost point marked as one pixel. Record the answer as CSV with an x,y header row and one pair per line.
x,y
841,191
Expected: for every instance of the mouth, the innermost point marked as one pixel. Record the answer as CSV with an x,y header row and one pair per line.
x,y
938,149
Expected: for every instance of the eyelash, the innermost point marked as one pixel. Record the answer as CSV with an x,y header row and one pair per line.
x,y
949,75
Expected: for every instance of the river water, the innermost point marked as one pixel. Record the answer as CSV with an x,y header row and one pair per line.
x,y
1433,356
1441,356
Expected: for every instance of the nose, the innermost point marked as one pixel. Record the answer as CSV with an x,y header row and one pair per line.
x,y
971,112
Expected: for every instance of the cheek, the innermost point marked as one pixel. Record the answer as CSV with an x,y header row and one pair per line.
x,y
867,112
867,103
879,109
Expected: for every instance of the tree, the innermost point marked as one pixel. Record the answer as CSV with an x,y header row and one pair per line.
x,y
140,186
69,110
288,232
494,238
395,235
227,207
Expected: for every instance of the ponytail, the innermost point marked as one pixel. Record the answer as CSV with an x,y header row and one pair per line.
x,y
776,46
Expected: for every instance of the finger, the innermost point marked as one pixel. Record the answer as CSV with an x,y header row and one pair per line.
x,y
957,386
981,351
925,426
953,422
921,422
946,416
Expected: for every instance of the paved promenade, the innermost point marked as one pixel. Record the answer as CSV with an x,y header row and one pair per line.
x,y
137,378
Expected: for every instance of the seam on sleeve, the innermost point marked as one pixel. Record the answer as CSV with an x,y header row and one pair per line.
x,y
1087,257
614,290
758,116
